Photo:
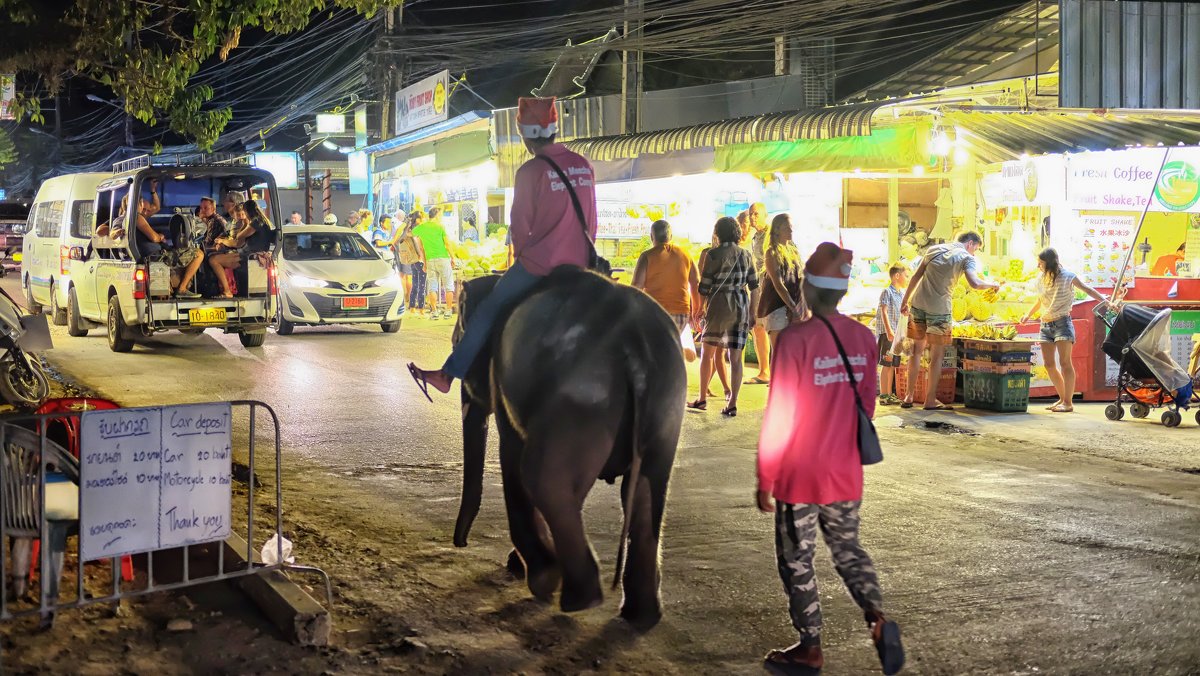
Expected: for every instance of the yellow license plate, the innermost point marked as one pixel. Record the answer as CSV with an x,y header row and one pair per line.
x,y
214,315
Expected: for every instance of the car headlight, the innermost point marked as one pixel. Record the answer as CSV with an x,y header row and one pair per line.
x,y
392,281
302,281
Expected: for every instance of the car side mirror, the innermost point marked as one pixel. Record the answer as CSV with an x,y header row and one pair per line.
x,y
76,253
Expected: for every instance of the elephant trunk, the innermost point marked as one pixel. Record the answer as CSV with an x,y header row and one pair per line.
x,y
475,429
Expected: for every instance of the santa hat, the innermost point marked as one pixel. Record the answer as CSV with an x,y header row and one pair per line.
x,y
537,118
829,267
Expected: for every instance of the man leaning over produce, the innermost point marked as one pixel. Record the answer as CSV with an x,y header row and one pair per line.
x,y
929,304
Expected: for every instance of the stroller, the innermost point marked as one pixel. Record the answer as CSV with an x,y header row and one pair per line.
x,y
1139,342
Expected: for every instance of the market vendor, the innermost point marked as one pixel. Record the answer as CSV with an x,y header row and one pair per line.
x,y
1168,265
928,303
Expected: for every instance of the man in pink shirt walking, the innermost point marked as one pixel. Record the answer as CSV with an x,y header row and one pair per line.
x,y
545,228
808,461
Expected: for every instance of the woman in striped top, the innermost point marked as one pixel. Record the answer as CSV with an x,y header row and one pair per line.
x,y
1056,296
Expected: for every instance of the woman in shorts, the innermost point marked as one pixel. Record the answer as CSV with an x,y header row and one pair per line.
x,y
1056,296
780,303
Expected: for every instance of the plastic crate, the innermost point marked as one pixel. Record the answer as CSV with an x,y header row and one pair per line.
x,y
983,345
1007,393
999,357
946,383
996,367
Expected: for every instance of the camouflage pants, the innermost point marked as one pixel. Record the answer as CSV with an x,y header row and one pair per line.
x,y
795,542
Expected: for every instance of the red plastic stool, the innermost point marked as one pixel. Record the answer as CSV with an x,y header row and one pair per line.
x,y
70,441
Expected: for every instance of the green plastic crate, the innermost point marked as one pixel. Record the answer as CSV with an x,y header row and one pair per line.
x,y
1007,393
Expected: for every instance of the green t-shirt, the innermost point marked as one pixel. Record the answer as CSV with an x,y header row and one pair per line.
x,y
433,238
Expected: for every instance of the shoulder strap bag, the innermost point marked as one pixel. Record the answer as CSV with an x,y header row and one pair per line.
x,y
596,263
869,450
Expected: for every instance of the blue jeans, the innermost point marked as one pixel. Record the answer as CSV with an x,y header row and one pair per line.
x,y
1058,330
512,287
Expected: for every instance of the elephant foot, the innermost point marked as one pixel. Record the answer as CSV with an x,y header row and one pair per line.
x,y
515,566
642,616
575,600
543,583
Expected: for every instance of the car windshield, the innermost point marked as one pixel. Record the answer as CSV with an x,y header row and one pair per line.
x,y
326,247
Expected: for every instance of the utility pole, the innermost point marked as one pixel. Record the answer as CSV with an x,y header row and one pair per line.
x,y
386,60
631,68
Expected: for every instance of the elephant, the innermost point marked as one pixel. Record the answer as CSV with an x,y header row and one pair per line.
x,y
586,381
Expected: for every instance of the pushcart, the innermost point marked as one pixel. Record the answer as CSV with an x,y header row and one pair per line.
x,y
1147,377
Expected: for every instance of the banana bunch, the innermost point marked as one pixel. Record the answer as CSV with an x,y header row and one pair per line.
x,y
981,331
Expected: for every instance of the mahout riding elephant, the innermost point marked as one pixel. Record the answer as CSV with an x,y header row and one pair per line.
x,y
586,381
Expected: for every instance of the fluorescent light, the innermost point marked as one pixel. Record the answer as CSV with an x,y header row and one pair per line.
x,y
329,144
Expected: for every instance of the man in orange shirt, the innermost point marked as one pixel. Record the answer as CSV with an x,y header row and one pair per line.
x,y
668,275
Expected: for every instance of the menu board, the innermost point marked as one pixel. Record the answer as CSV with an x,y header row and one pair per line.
x,y
152,478
1104,243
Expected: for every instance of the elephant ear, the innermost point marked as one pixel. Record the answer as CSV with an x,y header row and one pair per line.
x,y
473,293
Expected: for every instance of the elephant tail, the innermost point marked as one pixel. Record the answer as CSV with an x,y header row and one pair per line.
x,y
635,466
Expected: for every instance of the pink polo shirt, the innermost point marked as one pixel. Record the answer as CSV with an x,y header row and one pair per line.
x,y
808,448
546,233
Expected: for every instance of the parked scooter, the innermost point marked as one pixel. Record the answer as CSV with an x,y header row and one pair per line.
x,y
23,383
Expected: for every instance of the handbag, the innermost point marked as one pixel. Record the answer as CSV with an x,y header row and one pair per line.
x,y
596,262
869,450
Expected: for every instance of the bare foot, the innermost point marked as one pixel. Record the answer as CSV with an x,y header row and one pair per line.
x,y
438,380
1063,408
1055,405
938,406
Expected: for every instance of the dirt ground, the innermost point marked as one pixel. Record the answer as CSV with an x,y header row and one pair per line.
x,y
1006,545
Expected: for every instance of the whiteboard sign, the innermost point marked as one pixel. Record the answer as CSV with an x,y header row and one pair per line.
x,y
154,478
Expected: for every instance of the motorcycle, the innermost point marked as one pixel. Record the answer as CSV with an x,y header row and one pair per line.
x,y
23,382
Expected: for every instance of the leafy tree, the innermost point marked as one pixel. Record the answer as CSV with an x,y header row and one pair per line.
x,y
146,51
8,152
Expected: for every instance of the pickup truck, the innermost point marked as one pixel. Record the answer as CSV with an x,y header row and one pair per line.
x,y
123,281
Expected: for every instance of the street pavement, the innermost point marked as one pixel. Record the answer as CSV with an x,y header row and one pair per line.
x,y
1014,544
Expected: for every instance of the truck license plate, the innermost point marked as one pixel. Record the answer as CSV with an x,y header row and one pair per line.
x,y
215,315
354,302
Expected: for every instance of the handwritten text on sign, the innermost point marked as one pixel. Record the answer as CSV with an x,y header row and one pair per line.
x,y
153,478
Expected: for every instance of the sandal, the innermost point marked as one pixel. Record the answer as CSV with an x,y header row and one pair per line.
x,y
419,379
698,405
729,411
886,635
906,404
939,407
756,380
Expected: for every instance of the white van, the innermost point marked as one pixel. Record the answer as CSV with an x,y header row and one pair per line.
x,y
60,218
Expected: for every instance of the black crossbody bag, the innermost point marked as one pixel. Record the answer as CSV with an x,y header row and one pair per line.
x,y
596,262
869,450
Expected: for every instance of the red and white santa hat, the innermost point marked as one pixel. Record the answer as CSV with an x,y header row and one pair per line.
x,y
537,117
829,267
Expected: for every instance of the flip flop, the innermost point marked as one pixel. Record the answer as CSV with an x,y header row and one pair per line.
x,y
698,405
891,651
757,381
419,379
906,404
939,407
1062,409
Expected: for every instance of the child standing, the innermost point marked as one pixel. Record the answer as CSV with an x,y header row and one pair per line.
x,y
810,474
887,320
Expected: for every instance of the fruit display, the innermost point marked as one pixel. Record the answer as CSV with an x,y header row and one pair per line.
x,y
981,331
475,259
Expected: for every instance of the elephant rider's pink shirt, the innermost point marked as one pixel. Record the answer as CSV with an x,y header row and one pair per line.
x,y
546,233
808,447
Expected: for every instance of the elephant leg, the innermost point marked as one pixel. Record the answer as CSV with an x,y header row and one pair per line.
x,y
563,459
641,605
524,525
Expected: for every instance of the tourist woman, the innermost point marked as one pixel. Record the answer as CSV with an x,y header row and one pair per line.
x,y
726,281
1056,296
780,302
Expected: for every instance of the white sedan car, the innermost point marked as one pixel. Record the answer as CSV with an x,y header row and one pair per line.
x,y
331,275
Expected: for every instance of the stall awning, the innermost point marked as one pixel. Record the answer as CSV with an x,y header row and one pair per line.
x,y
998,136
901,146
460,142
825,123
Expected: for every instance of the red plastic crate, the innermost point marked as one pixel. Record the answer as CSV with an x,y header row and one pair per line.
x,y
946,383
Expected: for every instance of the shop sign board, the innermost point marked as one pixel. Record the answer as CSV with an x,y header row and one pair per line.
x,y
1104,243
1035,180
356,162
613,221
8,95
423,103
1184,325
1130,180
283,166
331,123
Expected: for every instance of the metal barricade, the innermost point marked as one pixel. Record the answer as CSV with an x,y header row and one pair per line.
x,y
28,448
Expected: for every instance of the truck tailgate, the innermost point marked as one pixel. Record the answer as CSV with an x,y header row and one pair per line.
x,y
210,312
